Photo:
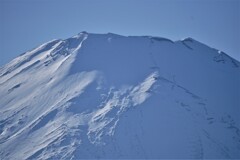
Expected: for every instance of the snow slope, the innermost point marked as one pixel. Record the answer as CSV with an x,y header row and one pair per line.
x,y
110,96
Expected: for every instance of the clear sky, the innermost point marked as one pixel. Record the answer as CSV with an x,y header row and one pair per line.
x,y
25,24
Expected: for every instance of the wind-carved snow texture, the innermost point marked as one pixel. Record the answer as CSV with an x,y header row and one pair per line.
x,y
106,118
110,96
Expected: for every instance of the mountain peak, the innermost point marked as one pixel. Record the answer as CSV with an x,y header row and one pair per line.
x,y
120,97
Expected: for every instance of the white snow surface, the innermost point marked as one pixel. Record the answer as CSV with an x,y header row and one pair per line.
x,y
110,96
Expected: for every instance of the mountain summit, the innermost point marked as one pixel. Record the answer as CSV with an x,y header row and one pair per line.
x,y
111,96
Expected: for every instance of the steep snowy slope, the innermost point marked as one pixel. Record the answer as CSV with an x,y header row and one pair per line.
x,y
110,96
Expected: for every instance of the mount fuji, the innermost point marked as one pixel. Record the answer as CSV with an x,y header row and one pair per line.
x,y
111,96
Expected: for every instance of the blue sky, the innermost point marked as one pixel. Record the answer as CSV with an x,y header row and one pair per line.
x,y
25,24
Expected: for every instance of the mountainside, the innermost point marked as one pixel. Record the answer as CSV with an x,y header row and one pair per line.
x,y
111,96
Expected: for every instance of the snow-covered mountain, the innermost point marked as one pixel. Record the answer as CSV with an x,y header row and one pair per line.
x,y
111,96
